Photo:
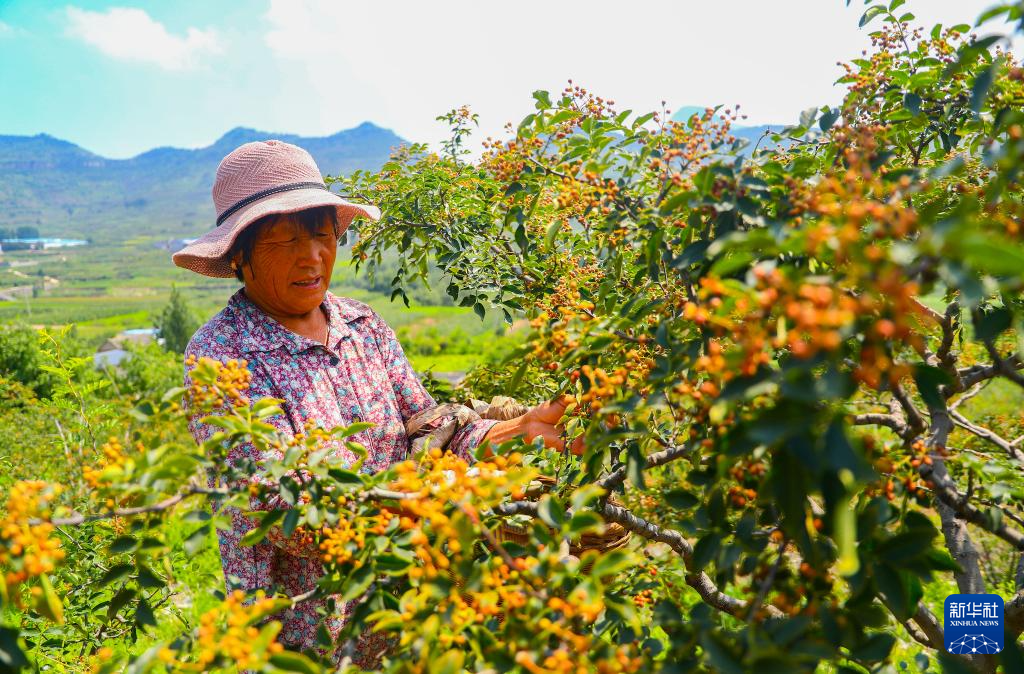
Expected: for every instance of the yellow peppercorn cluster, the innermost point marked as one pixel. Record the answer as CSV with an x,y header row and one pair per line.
x,y
27,551
569,661
335,542
343,541
440,481
215,384
113,461
227,632
602,385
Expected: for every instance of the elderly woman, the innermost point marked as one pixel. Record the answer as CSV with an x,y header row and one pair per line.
x,y
332,360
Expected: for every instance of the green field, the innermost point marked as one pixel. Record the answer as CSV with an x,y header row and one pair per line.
x,y
104,289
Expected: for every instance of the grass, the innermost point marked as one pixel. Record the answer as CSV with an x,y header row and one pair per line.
x,y
443,363
104,289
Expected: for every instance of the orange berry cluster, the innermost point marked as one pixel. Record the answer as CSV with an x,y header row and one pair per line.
x,y
26,550
686,144
602,385
227,632
440,481
566,661
341,542
215,384
113,462
908,467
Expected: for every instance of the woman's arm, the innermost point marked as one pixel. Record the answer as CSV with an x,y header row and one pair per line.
x,y
542,421
413,397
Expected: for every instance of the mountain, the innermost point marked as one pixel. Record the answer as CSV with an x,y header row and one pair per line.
x,y
67,191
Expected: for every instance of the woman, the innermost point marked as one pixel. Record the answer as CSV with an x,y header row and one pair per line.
x,y
331,359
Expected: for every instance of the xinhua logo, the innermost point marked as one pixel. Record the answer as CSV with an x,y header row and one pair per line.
x,y
974,624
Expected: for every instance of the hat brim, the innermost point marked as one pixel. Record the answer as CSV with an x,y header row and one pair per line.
x,y
208,255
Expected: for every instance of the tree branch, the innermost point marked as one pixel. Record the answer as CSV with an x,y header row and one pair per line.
x,y
915,420
950,497
618,476
986,434
954,530
879,419
699,581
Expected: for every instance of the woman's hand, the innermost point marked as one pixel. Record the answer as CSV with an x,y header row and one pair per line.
x,y
542,421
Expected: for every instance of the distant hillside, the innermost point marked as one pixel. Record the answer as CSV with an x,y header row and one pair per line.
x,y
753,134
67,191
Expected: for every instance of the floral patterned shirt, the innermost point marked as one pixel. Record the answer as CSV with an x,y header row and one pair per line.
x,y
361,374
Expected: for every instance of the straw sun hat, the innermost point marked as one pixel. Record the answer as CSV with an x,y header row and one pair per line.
x,y
254,180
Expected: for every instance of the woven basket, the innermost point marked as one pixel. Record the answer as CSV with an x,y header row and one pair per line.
x,y
613,537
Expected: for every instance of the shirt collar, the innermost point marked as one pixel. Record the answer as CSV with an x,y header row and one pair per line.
x,y
264,333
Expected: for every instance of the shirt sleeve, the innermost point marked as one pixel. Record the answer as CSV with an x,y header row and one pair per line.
x,y
413,397
202,432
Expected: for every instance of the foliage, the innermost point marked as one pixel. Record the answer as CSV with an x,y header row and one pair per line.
x,y
20,358
774,357
177,323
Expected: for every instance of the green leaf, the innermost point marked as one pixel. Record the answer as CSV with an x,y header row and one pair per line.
x,y
345,476
391,563
611,563
1012,658
11,655
49,604
290,661
553,230
991,254
116,573
912,102
951,664
693,253
543,99
584,521
704,551
257,534
807,117
990,322
870,14
982,83
681,499
122,544
196,541
147,579
358,582
828,119
940,560
902,590
521,239
352,429
291,520
720,654
845,527
551,511
876,647
449,663
905,547
144,614
928,380
119,601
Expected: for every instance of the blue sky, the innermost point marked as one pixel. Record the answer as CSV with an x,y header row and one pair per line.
x,y
119,78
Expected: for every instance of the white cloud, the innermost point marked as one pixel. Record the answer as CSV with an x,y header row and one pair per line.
x,y
402,62
5,29
130,34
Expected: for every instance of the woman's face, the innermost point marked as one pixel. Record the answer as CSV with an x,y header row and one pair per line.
x,y
290,270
